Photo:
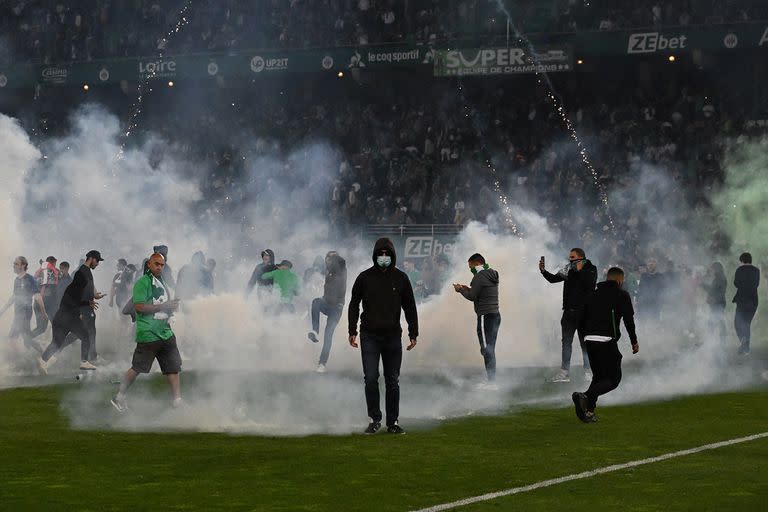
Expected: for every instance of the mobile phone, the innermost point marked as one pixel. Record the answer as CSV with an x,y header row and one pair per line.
x,y
542,260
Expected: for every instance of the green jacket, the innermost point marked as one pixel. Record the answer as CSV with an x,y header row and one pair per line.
x,y
286,281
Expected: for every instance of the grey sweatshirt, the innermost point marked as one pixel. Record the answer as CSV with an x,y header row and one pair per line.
x,y
484,292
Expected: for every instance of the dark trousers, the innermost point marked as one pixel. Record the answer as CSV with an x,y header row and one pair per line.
x,y
41,324
333,312
487,331
743,323
63,325
606,369
570,324
389,349
21,319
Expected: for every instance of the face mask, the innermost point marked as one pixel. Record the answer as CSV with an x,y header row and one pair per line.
x,y
479,268
383,261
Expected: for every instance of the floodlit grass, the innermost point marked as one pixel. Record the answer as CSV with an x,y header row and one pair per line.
x,y
45,465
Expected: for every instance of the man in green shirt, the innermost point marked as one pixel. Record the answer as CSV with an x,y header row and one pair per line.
x,y
154,337
286,282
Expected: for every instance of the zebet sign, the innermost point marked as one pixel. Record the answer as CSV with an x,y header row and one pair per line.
x,y
501,61
427,246
651,42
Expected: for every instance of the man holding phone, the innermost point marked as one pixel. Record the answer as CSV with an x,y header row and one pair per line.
x,y
579,277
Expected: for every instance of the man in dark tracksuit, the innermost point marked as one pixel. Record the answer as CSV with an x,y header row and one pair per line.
x,y
384,290
330,304
603,312
746,280
265,285
68,318
483,291
580,281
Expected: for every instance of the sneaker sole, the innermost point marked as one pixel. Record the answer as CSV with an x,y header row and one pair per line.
x,y
117,406
559,380
313,338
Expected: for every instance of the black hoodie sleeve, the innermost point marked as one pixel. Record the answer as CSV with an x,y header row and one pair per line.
x,y
353,311
552,278
409,307
628,312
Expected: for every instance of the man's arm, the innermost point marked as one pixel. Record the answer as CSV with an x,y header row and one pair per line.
x,y
628,313
353,311
552,278
471,292
142,300
408,302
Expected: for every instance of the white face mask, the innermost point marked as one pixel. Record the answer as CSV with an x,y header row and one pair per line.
x,y
384,261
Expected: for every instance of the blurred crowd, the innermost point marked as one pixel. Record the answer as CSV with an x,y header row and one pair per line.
x,y
55,31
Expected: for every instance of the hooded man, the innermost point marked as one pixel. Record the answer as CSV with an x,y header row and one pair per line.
x,y
384,290
257,278
602,314
194,279
746,280
580,277
483,291
330,304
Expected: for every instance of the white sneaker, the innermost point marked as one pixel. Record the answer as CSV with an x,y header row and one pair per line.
x,y
87,365
179,403
561,376
320,368
486,386
42,366
119,403
588,375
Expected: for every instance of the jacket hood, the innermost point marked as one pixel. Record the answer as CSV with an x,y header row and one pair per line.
x,y
490,274
271,255
384,243
335,263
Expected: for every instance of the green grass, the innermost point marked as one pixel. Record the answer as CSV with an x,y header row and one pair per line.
x,y
44,465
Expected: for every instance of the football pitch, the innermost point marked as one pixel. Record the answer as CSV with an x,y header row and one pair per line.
x,y
47,465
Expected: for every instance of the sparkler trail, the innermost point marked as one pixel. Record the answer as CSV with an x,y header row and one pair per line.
x,y
558,106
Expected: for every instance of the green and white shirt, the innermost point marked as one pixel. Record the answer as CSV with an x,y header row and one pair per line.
x,y
151,326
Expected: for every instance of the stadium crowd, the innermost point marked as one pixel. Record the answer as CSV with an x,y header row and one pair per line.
x,y
55,31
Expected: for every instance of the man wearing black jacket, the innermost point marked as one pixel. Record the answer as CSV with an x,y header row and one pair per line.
x,y
384,290
746,280
265,285
580,277
79,294
602,315
330,304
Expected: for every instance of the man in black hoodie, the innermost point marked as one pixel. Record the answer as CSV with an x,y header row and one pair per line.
x,y
384,290
330,304
580,277
746,280
483,291
265,285
602,315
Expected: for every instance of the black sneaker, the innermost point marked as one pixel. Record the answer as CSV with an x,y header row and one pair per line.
x,y
590,417
395,429
577,403
373,427
312,337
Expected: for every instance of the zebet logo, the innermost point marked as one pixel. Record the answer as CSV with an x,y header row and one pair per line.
x,y
764,39
651,42
425,246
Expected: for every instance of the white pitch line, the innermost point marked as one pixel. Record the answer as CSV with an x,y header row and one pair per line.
x,y
589,474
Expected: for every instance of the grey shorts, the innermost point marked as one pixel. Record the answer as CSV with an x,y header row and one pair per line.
x,y
166,352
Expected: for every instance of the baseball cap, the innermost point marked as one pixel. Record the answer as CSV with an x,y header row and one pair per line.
x,y
94,254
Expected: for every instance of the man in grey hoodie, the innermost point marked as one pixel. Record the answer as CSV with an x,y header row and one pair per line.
x,y
483,291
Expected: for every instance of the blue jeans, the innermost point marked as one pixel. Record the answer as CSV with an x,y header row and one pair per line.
x,y
389,349
487,331
333,312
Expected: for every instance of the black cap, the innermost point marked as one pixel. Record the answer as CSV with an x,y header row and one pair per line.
x,y
94,254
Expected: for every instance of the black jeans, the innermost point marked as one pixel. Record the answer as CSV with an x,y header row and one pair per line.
x,y
743,323
570,324
63,325
41,324
606,369
389,349
21,319
333,312
487,331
